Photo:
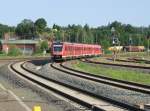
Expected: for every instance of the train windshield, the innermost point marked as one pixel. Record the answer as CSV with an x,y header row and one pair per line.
x,y
58,48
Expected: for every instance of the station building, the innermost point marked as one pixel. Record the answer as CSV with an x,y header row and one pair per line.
x,y
26,46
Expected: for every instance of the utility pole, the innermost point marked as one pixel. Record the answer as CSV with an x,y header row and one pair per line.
x,y
63,36
69,38
140,39
24,46
148,47
148,38
96,39
77,38
130,44
68,35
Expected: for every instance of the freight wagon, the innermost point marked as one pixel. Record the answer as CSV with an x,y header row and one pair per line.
x,y
134,48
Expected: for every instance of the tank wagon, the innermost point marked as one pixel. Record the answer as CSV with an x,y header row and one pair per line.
x,y
65,50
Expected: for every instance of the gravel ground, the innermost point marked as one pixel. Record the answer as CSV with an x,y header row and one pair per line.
x,y
31,94
2,63
119,94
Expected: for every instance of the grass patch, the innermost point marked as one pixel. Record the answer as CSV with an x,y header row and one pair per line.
x,y
130,54
121,74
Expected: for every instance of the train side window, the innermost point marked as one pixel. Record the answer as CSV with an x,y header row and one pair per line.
x,y
65,48
68,48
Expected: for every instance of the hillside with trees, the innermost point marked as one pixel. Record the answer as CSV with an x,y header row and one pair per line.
x,y
27,29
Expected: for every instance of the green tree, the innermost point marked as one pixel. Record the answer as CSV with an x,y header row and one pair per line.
x,y
25,29
40,25
56,27
4,29
128,28
105,44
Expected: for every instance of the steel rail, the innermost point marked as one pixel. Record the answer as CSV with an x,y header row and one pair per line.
x,y
131,60
50,88
140,60
24,58
107,80
125,105
94,107
121,65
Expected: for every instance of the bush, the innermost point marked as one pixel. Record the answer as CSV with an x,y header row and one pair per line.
x,y
44,45
38,50
107,51
1,52
14,51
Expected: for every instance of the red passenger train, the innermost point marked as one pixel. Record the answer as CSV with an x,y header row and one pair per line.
x,y
65,50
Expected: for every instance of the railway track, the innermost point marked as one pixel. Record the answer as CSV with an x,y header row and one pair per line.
x,y
82,97
140,60
102,79
108,81
122,60
24,58
132,60
114,64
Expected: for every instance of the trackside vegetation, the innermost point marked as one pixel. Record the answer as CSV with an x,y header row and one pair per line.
x,y
122,74
14,51
126,33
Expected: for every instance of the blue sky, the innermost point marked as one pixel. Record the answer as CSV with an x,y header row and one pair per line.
x,y
64,12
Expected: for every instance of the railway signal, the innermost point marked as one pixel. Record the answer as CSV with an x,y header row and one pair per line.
x,y
115,42
148,38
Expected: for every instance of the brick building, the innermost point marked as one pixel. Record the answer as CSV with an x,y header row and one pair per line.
x,y
26,46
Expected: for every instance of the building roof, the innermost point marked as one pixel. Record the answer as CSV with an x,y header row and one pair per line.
x,y
19,41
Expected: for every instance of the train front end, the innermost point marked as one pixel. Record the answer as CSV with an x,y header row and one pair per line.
x,y
57,50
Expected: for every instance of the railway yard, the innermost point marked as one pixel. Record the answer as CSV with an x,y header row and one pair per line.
x,y
90,84
74,55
